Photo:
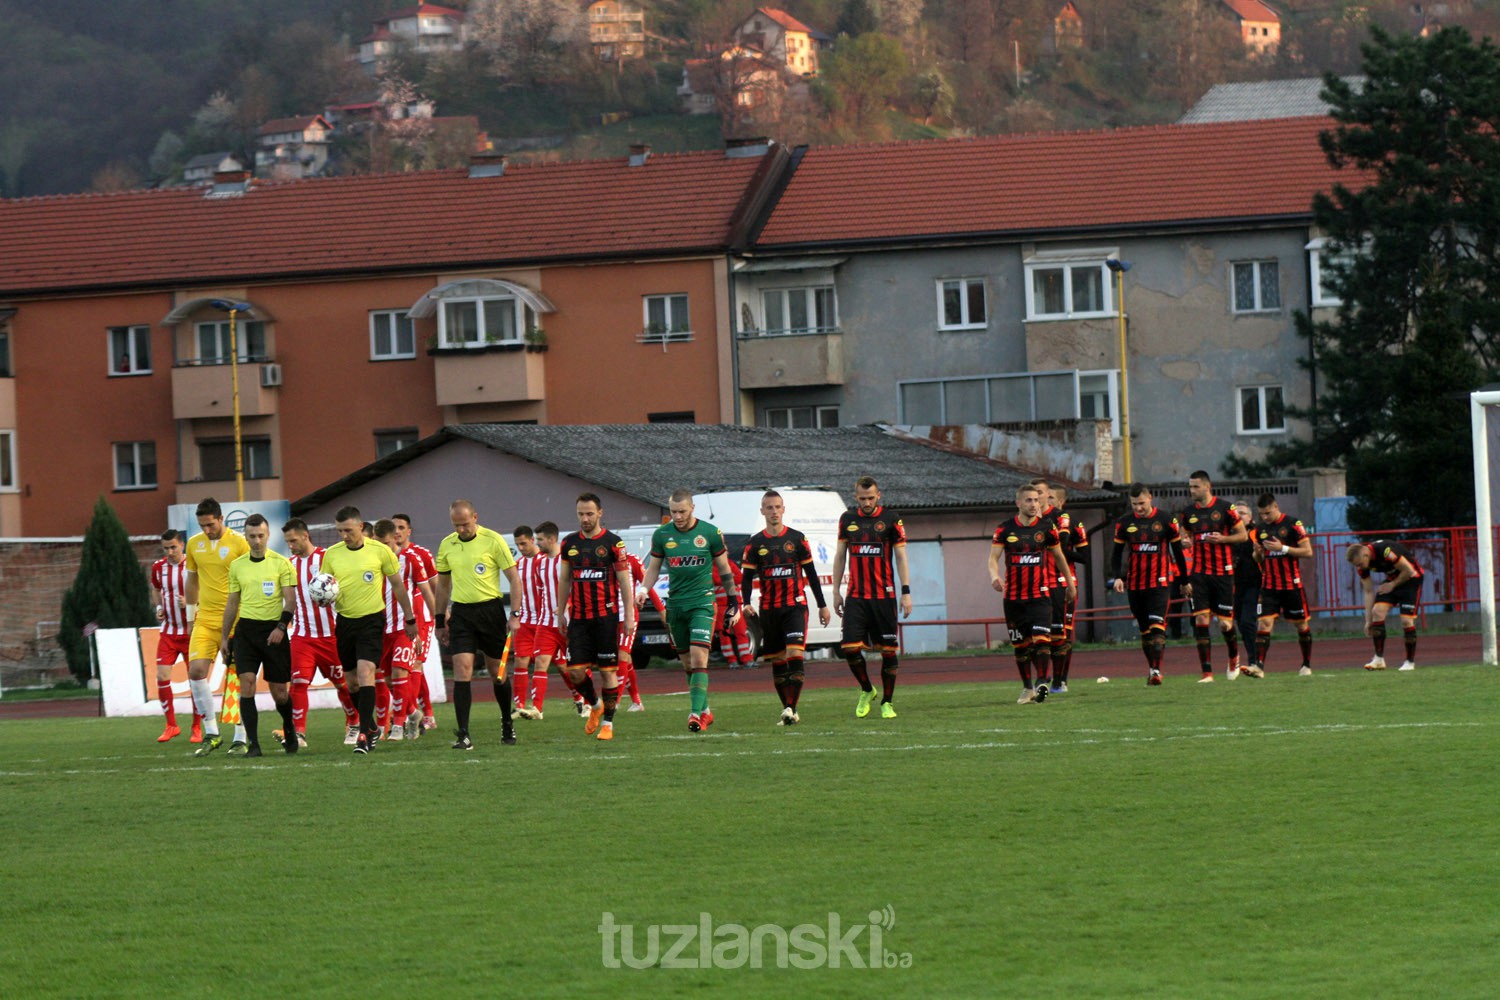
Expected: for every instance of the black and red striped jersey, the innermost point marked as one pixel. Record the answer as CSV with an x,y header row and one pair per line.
x,y
1147,540
871,540
1060,520
1385,557
1030,572
1217,517
779,563
592,564
1278,569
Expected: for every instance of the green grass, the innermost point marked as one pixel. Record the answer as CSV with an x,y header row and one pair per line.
x,y
1325,836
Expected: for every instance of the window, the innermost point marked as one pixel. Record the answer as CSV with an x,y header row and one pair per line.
x,y
130,350
135,465
389,442
800,416
1320,255
961,304
216,459
7,461
1257,286
799,310
1021,397
1262,410
5,369
1068,284
666,318
481,322
672,417
391,336
213,341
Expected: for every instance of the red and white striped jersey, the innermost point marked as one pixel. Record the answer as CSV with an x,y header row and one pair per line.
x,y
308,620
429,564
413,572
637,577
172,582
537,603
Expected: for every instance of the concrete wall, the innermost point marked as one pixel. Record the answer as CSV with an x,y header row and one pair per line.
x,y
506,491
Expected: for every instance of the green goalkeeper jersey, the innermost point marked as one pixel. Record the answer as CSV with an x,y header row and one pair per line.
x,y
688,557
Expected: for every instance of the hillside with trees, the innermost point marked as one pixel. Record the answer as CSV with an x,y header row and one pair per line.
x,y
102,97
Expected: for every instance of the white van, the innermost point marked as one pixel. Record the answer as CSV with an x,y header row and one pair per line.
x,y
814,512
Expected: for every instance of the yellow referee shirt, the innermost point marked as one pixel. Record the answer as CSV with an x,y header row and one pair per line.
x,y
211,560
259,583
474,567
361,575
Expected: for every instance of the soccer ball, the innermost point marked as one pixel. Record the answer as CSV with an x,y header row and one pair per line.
x,y
324,589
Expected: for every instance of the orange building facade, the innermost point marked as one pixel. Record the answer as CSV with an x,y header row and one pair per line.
x,y
379,309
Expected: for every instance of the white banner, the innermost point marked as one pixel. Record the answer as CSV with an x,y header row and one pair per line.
x,y
127,675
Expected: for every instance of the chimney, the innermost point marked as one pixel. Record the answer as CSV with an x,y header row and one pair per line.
x,y
487,164
752,145
229,183
639,153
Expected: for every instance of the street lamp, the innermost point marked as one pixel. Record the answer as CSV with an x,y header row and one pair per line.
x,y
1119,267
234,309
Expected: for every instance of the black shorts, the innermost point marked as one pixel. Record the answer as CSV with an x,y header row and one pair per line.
x,y
253,651
1213,593
477,628
782,628
1149,606
1289,604
361,638
594,642
1028,620
870,622
1406,597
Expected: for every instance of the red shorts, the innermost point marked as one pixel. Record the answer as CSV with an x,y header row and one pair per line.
x,y
538,640
309,654
170,647
397,652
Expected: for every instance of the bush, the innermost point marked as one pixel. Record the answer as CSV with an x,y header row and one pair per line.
x,y
110,589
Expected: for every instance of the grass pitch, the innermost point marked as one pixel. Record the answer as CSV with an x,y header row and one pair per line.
x,y
1331,836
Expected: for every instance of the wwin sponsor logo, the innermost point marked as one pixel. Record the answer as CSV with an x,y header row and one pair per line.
x,y
708,944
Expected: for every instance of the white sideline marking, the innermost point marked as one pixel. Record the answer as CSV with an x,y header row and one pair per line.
x,y
1094,737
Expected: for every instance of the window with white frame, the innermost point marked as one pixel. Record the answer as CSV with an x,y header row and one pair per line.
x,y
1262,410
1020,397
8,461
214,337
1257,286
216,459
135,465
799,416
130,350
961,304
1320,254
808,309
483,322
665,318
391,335
1069,284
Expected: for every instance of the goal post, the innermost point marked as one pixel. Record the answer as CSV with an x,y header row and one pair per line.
x,y
1482,405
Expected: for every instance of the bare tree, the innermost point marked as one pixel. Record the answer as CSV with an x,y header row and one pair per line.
x,y
526,39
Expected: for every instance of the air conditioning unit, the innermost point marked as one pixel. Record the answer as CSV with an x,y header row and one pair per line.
x,y
270,376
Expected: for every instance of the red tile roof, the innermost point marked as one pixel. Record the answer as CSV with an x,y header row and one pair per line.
x,y
1054,182
1252,10
675,203
784,19
429,9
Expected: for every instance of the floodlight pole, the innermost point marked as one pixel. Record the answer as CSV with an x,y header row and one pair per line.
x,y
1119,267
234,309
1483,519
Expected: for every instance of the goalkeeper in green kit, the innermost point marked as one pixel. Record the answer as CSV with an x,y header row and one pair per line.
x,y
690,549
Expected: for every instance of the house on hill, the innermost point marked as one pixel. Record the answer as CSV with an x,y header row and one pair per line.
x,y
783,39
617,29
425,27
1259,24
738,83
1067,29
289,148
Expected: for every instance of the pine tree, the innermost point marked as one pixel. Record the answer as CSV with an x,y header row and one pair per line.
x,y
1414,258
110,589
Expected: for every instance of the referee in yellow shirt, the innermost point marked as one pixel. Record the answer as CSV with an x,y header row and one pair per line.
x,y
362,565
469,564
261,588
209,554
